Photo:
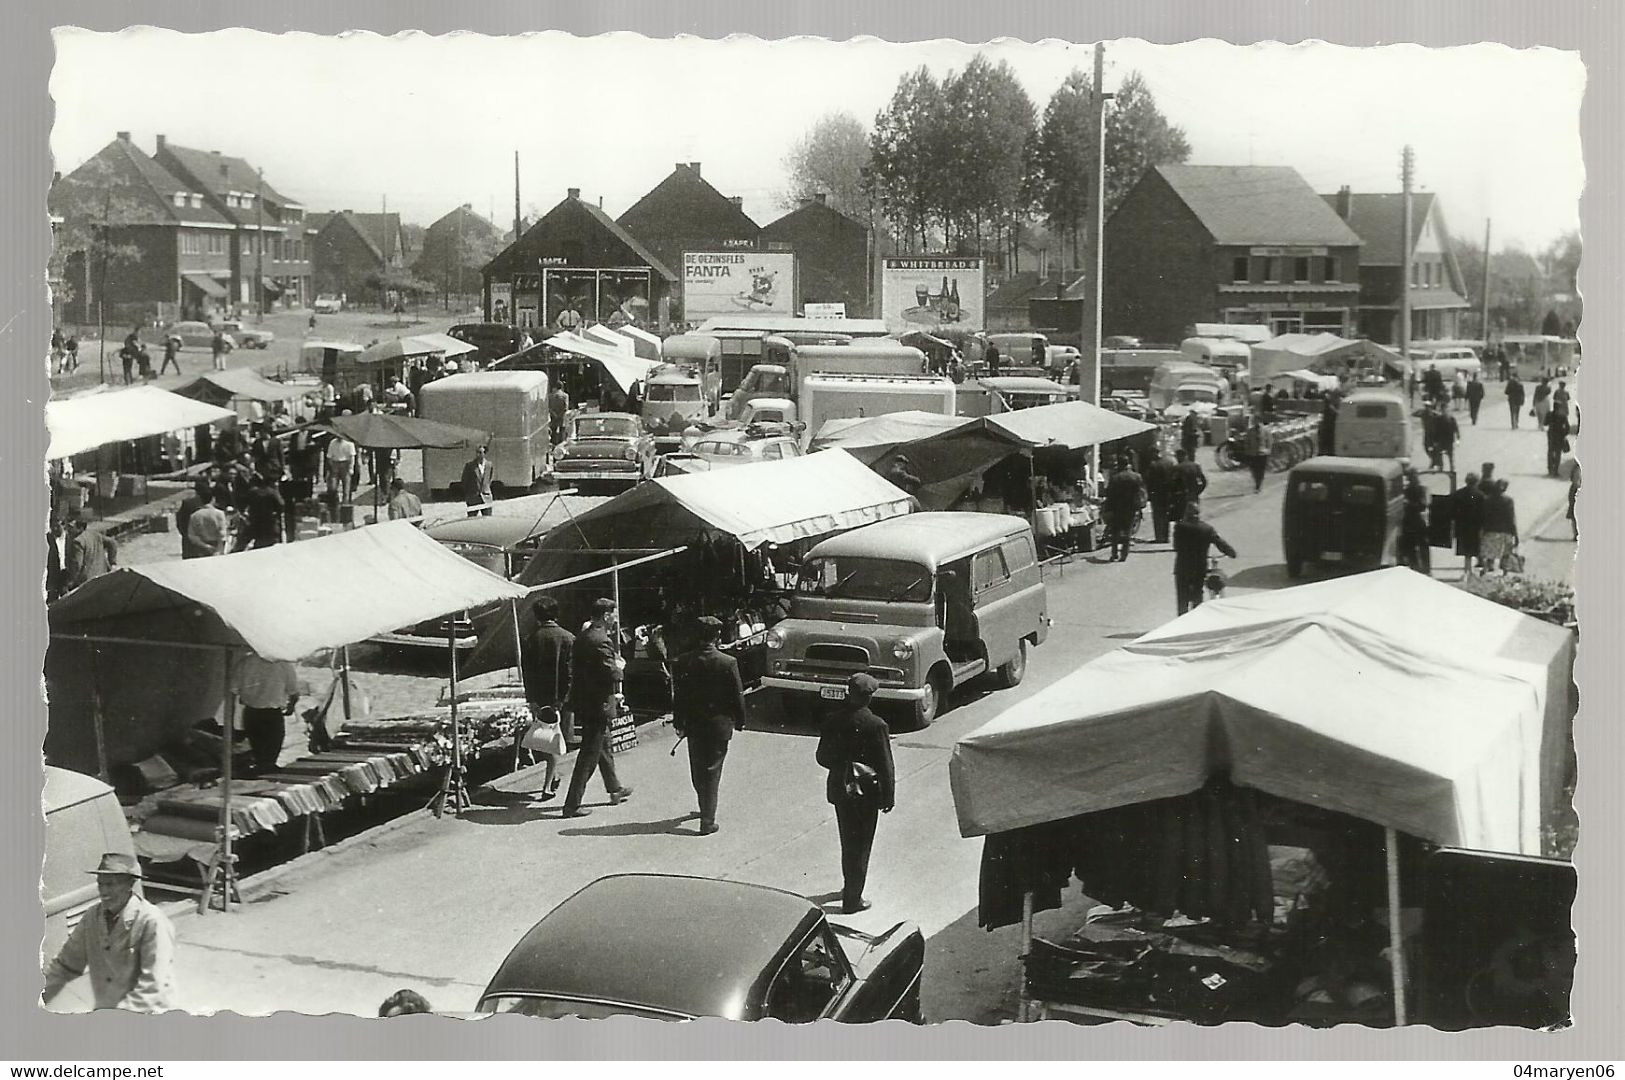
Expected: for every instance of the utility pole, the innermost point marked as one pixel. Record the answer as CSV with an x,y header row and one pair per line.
x,y
101,289
1485,306
259,249
516,217
1095,259
1407,169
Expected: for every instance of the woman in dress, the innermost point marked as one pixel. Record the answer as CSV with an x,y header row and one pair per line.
x,y
1500,539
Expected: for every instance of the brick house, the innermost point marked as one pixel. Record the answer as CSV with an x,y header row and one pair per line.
x,y
173,250
832,255
576,266
1437,291
454,248
270,227
684,212
1228,244
351,253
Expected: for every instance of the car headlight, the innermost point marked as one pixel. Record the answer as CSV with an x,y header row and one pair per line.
x,y
630,453
902,648
774,639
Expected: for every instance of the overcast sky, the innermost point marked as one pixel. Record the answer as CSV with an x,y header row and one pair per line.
x,y
429,123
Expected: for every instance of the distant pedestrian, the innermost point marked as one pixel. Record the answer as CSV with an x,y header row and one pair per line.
x,y
1458,391
143,362
1557,440
193,501
1514,391
545,665
1159,489
1467,516
1190,434
1125,496
91,552
207,527
1574,493
172,353
56,560
1499,543
992,358
1432,383
855,748
70,362
403,505
401,1002
1440,435
263,515
1541,402
708,706
595,680
124,943
1475,398
267,691
1266,404
218,347
340,466
1256,444
1189,483
1561,396
1414,551
1326,436
477,475
127,355
1193,539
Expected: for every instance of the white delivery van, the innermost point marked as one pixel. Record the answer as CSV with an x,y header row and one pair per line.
x,y
511,406
1373,424
1448,360
1190,385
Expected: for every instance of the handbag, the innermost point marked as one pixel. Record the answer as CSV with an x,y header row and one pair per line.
x,y
860,782
544,736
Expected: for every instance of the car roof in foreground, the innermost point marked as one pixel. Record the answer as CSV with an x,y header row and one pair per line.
x,y
695,946
1352,465
930,539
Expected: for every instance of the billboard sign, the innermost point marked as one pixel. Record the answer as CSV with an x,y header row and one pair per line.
x,y
730,282
931,292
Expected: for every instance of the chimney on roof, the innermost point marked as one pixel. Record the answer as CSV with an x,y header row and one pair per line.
x,y
56,177
469,207
821,199
161,141
695,166
738,201
124,136
574,193
1344,198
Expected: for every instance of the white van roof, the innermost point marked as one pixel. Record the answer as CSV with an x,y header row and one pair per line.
x,y
488,380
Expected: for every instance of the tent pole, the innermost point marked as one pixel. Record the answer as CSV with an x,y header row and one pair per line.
x,y
1023,1003
96,717
615,583
454,793
513,612
344,674
227,868
1396,932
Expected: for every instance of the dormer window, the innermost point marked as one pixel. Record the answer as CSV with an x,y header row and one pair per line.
x,y
197,201
180,198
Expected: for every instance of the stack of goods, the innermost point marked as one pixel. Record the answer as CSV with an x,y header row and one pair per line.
x,y
492,717
425,738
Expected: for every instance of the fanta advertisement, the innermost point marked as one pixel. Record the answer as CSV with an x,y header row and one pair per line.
x,y
729,282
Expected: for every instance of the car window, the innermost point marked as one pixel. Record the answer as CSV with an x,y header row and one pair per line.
x,y
548,1008
1371,412
987,569
772,452
809,982
1311,491
1018,553
1361,493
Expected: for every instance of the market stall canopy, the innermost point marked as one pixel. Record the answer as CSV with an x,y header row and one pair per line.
x,y
404,348
448,345
867,438
1321,353
623,367
1443,723
1251,333
287,601
83,423
645,344
605,336
242,384
391,431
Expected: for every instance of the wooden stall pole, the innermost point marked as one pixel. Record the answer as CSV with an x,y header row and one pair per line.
x,y
1024,1002
1396,932
344,675
519,673
453,792
97,718
225,870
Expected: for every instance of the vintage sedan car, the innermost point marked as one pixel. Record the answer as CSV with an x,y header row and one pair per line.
x,y
502,545
603,449
248,337
192,335
327,304
738,446
678,948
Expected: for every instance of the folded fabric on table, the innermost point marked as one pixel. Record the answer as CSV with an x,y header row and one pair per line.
x,y
252,810
178,828
421,755
329,791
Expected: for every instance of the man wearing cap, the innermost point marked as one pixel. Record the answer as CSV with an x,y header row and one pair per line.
x,y
124,944
595,682
856,749
477,484
708,704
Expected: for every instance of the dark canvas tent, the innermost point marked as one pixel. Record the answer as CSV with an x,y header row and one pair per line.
x,y
241,384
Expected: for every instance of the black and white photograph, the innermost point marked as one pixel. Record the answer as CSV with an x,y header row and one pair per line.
x,y
587,526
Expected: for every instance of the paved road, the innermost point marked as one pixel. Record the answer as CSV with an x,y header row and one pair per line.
x,y
435,905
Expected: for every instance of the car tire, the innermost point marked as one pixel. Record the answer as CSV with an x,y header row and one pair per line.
x,y
934,703
1012,671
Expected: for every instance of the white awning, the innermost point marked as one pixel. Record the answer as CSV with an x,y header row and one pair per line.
x,y
84,423
623,367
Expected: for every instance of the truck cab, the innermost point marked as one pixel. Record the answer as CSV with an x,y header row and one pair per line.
x,y
673,400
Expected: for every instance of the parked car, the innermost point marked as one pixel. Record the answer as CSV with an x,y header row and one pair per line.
x,y
192,335
687,947
248,337
327,304
502,545
737,446
604,448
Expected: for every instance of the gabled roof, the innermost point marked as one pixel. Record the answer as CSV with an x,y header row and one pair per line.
x,y
685,198
812,213
1257,204
380,232
1377,219
204,167
574,204
142,191
318,222
466,218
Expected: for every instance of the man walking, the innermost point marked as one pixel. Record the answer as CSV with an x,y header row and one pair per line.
x,y
862,783
218,349
1467,514
1193,538
268,690
1475,398
1514,398
1190,435
1542,401
91,552
125,944
477,484
1159,490
340,466
558,406
207,528
708,706
1189,483
1557,440
1125,495
264,513
172,350
1256,444
595,680
545,667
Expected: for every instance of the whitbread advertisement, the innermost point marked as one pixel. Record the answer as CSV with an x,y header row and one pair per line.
x,y
730,282
931,292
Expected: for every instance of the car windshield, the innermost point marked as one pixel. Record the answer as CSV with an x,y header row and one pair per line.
x,y
614,427
548,1008
1188,395
850,577
673,392
765,382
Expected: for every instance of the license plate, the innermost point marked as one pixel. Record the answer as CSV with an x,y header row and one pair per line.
x,y
834,693
1331,556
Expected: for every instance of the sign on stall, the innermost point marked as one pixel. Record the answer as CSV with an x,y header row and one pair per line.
x,y
824,311
728,282
931,292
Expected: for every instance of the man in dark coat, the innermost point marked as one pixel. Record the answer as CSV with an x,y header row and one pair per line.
x,y
1326,440
595,681
1467,513
1475,398
544,664
856,736
708,705
477,475
1189,483
1190,435
1125,494
1432,383
1557,440
265,513
1193,538
1514,398
1159,490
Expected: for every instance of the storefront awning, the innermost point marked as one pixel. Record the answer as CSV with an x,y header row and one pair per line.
x,y
84,423
205,284
270,286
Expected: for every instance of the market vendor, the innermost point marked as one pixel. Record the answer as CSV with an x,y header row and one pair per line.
x,y
268,691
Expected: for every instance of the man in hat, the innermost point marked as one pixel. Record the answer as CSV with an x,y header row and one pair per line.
x,y
477,476
856,749
708,704
595,682
125,944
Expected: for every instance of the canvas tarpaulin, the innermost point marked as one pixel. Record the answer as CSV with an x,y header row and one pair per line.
x,y
83,423
868,438
1385,696
246,384
1321,353
624,367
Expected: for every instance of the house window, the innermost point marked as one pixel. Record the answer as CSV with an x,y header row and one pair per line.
x,y
1331,268
1300,269
1240,269
197,201
1272,270
180,198
1416,274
